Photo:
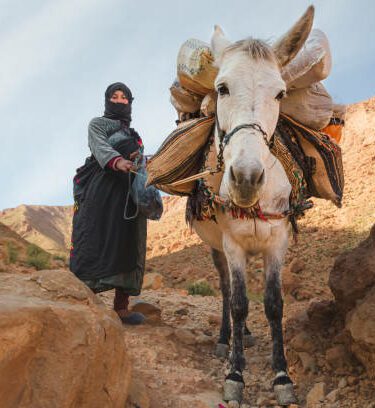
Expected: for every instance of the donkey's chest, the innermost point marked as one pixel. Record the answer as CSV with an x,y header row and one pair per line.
x,y
253,235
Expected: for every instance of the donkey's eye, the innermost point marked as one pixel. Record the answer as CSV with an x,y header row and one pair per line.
x,y
280,95
222,89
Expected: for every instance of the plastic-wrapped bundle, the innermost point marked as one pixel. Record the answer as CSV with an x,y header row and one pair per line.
x,y
195,69
310,106
184,100
312,64
208,106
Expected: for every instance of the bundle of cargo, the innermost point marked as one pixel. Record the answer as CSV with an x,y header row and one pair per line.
x,y
184,100
310,106
195,67
312,64
180,156
191,148
307,100
307,113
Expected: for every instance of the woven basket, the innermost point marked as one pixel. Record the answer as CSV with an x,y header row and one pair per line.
x,y
180,156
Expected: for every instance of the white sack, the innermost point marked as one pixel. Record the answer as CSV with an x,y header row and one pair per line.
x,y
310,106
312,64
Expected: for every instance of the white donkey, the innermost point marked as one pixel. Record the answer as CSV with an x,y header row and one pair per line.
x,y
250,87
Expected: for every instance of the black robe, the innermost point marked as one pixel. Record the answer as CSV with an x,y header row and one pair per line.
x,y
108,251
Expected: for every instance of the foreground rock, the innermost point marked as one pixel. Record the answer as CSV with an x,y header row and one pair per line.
x,y
352,281
353,274
361,325
59,345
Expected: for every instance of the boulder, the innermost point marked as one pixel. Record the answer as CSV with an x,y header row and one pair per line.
x,y
339,359
302,342
316,395
153,281
353,274
151,312
361,324
321,312
59,345
138,395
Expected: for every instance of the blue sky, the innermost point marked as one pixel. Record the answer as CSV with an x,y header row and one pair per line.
x,y
58,56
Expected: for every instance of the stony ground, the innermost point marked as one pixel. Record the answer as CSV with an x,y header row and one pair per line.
x,y
173,356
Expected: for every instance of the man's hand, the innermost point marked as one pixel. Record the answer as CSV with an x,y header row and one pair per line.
x,y
124,165
134,155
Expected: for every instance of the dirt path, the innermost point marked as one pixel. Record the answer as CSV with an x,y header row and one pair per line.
x,y
174,357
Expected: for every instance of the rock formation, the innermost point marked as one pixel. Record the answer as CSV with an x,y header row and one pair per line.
x,y
59,345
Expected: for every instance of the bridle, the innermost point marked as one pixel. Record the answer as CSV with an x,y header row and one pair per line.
x,y
224,138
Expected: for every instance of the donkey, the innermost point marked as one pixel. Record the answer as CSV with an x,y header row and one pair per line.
x,y
249,87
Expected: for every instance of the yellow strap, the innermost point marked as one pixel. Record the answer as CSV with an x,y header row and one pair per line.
x,y
192,178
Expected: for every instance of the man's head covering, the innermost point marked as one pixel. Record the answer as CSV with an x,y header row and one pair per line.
x,y
119,111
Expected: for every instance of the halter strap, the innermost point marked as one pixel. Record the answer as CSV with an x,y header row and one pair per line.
x,y
256,126
225,137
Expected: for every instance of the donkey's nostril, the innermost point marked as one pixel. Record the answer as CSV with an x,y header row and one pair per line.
x,y
261,178
257,178
231,172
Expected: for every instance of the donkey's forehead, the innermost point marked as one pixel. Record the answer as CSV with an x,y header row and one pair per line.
x,y
255,49
241,66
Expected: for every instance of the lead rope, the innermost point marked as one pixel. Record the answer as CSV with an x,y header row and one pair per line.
x,y
128,194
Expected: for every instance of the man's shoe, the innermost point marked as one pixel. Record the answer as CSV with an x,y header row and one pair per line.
x,y
133,318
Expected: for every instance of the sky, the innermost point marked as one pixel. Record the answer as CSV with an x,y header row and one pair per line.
x,y
58,56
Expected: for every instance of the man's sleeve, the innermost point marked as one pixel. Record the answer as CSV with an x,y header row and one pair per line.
x,y
98,143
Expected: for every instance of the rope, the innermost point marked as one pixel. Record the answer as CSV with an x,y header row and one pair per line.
x,y
128,194
192,178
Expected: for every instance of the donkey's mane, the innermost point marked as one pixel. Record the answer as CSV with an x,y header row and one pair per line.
x,y
257,49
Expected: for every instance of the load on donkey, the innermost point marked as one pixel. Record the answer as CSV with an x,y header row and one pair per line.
x,y
248,169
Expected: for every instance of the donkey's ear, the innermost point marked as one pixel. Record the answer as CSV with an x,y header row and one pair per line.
x,y
287,47
218,42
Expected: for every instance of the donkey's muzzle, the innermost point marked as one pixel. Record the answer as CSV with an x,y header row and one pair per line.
x,y
244,184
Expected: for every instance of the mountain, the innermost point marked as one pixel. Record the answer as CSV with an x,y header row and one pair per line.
x,y
46,226
17,254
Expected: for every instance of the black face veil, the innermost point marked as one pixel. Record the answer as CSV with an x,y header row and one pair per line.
x,y
118,111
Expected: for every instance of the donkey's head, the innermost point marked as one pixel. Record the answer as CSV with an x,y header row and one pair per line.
x,y
250,87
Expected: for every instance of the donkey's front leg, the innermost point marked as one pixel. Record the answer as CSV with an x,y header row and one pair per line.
x,y
221,265
273,303
234,384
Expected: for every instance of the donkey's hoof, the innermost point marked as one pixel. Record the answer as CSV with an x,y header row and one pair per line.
x,y
233,404
284,394
248,341
233,390
222,350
